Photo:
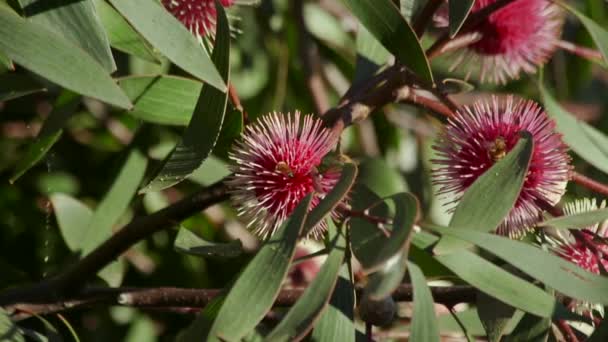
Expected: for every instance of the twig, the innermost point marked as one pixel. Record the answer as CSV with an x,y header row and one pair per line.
x,y
236,102
589,183
309,55
78,274
173,298
581,51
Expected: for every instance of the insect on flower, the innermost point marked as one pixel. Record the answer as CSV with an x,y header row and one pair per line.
x,y
480,135
276,164
199,16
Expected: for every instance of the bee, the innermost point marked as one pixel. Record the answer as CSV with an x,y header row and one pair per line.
x,y
284,169
498,149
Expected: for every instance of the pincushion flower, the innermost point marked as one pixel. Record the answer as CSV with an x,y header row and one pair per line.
x,y
276,164
519,37
478,136
198,16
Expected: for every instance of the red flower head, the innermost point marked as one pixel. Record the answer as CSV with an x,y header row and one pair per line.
x,y
516,38
197,15
478,136
576,249
276,166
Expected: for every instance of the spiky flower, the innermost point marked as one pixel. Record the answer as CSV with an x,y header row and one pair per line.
x,y
199,16
276,164
480,135
517,38
577,249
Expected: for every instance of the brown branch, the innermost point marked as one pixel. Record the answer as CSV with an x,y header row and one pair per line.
x,y
589,183
236,102
311,60
75,277
172,297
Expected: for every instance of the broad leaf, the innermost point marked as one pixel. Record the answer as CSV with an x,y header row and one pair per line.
x,y
371,55
172,39
204,128
49,55
247,302
494,315
530,329
384,21
492,196
424,321
51,130
166,100
382,283
550,269
577,221
459,11
121,35
77,22
337,321
589,143
73,217
189,243
299,319
409,8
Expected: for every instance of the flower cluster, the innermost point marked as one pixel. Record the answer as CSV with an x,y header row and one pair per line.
x,y
276,164
517,38
199,16
480,135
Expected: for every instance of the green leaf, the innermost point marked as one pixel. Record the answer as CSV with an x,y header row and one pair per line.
x,y
333,198
424,321
586,141
492,196
597,32
73,217
112,207
13,86
409,8
165,100
383,19
550,269
189,243
375,249
371,55
212,170
459,11
531,329
382,283
43,52
9,332
51,131
121,35
577,221
172,39
337,321
494,315
77,22
299,319
499,283
203,130
381,178
600,334
247,302
5,63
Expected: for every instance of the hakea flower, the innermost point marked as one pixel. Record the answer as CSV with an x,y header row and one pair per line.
x,y
517,38
277,164
577,249
199,16
478,136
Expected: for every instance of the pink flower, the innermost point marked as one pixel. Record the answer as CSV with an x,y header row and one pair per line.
x,y
277,164
478,136
197,15
517,38
576,249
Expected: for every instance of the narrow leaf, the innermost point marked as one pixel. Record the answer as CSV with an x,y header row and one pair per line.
x,y
586,141
371,55
73,217
5,63
459,11
77,22
499,283
189,243
247,302
337,321
424,321
494,315
530,329
492,196
8,330
383,20
121,35
13,86
577,221
172,39
51,130
382,283
203,130
45,53
550,269
310,305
